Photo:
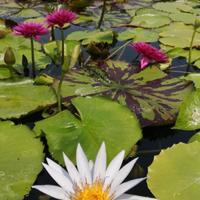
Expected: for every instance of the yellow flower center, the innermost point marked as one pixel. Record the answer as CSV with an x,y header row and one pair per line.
x,y
92,192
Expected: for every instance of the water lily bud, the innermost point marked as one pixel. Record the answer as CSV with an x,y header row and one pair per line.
x,y
197,23
9,57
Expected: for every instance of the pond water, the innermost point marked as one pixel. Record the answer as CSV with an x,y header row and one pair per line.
x,y
155,138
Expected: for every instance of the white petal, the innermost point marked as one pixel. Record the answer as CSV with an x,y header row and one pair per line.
x,y
73,173
53,191
121,175
121,189
83,165
57,167
63,181
133,197
113,168
91,166
100,164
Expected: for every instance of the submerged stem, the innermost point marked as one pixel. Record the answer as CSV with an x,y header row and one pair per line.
x,y
102,14
33,58
190,51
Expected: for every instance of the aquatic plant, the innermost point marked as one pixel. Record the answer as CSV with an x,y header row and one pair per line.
x,y
60,18
33,31
149,54
88,180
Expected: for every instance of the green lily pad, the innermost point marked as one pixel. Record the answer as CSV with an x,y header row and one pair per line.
x,y
19,98
150,21
4,73
174,173
139,35
21,155
176,52
197,64
195,78
179,35
16,42
186,18
90,127
195,138
149,11
189,114
28,13
172,7
92,36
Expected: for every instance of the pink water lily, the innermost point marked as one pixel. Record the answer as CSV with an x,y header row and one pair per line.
x,y
30,30
60,17
149,54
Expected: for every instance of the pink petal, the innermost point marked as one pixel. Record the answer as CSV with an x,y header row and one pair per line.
x,y
144,62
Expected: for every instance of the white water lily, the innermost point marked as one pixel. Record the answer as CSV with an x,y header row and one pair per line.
x,y
91,181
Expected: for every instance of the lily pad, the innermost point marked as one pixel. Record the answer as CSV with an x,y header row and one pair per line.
x,y
197,63
195,78
92,36
89,127
174,173
19,98
4,73
195,137
150,21
139,35
152,95
179,35
149,11
172,7
189,114
21,155
186,18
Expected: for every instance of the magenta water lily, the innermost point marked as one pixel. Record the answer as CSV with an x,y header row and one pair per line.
x,y
33,31
149,54
60,18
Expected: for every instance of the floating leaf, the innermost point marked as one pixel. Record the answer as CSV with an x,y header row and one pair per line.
x,y
149,11
195,78
172,7
4,73
139,35
189,114
150,21
21,155
197,63
151,94
177,52
186,18
174,173
92,36
22,97
179,35
195,137
65,130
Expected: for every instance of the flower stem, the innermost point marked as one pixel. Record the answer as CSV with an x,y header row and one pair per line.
x,y
63,46
102,14
33,58
190,51
118,49
59,95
